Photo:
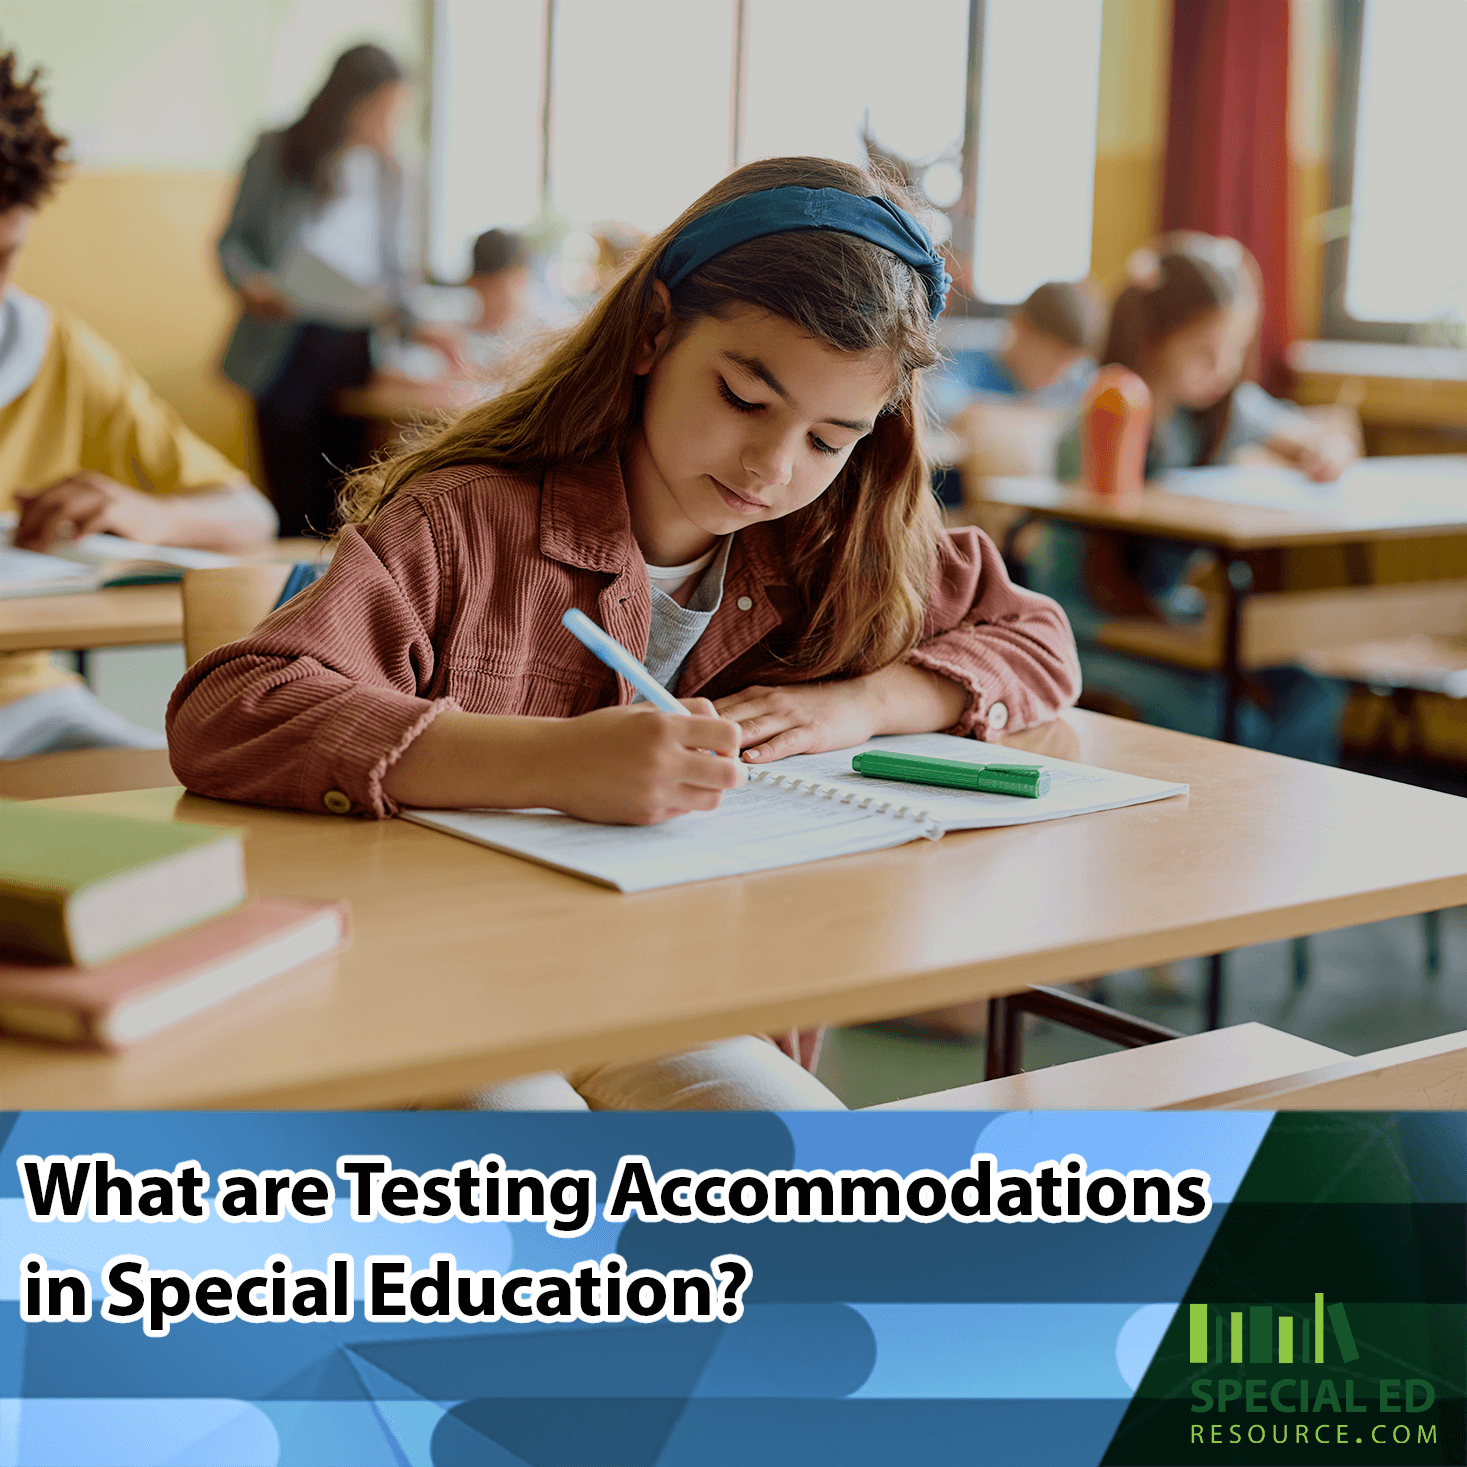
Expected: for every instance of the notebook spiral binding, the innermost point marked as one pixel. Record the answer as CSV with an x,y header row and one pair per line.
x,y
842,794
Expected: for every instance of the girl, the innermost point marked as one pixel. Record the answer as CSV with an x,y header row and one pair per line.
x,y
1187,324
723,466
330,187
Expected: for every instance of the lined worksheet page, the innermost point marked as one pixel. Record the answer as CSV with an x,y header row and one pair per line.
x,y
1075,789
756,828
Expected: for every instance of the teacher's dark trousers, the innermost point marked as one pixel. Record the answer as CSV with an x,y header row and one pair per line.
x,y
307,447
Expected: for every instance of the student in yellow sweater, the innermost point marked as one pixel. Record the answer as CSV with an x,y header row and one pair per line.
x,y
86,445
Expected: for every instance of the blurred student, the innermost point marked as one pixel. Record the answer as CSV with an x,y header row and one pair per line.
x,y
501,281
315,250
85,445
1187,323
1046,354
984,396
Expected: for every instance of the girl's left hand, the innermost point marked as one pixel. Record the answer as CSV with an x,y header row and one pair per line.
x,y
803,718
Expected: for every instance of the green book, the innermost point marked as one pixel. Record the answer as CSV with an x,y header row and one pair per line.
x,y
82,888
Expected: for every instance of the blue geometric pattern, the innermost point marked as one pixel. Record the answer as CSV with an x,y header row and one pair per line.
x,y
887,1343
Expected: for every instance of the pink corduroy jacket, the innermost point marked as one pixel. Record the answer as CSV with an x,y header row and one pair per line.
x,y
452,598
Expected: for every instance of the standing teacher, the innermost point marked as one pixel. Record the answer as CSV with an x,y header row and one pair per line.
x,y
314,248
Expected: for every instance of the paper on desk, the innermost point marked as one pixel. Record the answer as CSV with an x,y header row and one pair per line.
x,y
778,820
1407,481
26,573
756,828
1075,789
92,561
107,550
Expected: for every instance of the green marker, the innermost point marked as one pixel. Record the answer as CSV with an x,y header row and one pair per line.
x,y
994,779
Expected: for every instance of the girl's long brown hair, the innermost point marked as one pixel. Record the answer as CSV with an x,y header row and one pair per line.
x,y
1185,277
861,556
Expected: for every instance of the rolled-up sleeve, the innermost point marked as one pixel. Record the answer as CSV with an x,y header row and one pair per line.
x,y
1009,648
312,709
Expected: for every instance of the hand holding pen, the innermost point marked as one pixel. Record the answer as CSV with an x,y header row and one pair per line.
x,y
652,768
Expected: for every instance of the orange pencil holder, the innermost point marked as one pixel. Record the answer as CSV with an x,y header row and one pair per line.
x,y
1115,426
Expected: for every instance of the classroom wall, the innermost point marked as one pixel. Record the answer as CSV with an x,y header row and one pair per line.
x,y
1130,138
161,99
1311,106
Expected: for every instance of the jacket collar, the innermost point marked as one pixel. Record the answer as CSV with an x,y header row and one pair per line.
x,y
584,518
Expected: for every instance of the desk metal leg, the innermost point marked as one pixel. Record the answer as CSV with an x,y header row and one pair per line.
x,y
1215,974
82,660
1431,923
1004,1019
1010,546
1239,575
1299,963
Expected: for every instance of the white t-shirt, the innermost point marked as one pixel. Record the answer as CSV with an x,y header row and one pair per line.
x,y
670,579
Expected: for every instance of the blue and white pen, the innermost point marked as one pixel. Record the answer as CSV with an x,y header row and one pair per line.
x,y
618,659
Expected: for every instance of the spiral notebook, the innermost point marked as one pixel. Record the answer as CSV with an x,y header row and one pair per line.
x,y
806,808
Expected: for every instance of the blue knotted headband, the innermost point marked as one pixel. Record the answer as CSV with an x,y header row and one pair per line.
x,y
786,210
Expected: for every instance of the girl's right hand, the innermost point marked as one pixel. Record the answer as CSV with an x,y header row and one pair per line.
x,y
639,766
1327,458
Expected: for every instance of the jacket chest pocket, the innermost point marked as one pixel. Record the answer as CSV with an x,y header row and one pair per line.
x,y
542,691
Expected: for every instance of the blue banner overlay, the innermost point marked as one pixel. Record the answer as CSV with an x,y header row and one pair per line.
x,y
457,1288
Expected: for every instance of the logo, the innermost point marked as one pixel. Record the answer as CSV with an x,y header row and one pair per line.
x,y
1261,1335
1300,1408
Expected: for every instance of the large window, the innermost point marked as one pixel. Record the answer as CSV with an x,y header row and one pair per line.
x,y
1399,271
1036,144
570,113
486,153
818,75
641,114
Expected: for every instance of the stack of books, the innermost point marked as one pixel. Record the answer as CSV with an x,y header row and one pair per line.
x,y
112,929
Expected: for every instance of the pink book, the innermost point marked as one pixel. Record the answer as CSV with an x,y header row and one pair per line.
x,y
113,1005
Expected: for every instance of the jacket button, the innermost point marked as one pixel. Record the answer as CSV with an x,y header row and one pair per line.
x,y
336,802
998,716
744,604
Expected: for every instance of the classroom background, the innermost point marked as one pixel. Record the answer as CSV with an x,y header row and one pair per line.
x,y
1053,138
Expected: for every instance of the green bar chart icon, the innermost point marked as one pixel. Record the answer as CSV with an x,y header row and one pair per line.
x,y
1260,1335
1292,1341
1197,1334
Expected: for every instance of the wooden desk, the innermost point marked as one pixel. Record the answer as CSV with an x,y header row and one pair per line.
x,y
1395,386
124,616
127,616
470,966
1375,499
